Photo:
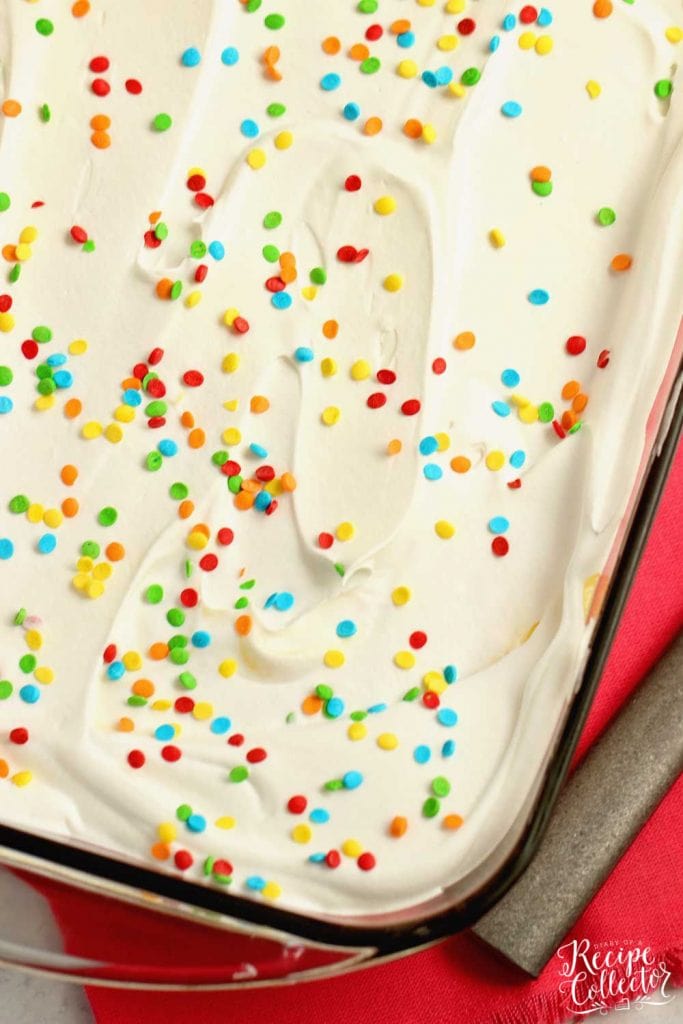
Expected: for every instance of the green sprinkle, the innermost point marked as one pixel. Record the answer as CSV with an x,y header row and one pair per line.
x,y
41,334
43,371
358,716
19,503
154,461
663,88
276,109
290,717
179,491
252,5
441,786
239,773
606,216
220,458
90,549
318,275
20,616
471,76
156,408
274,21
44,27
136,702
46,386
198,249
27,663
339,568
175,617
5,202
154,593
370,65
546,412
248,585
176,289
367,6
271,253
6,689
208,864
6,376
412,694
162,122
334,784
179,656
542,188
107,516
575,428
235,484
45,113
88,246
15,273
222,879
183,812
161,231
241,602
187,680
324,691
431,807
272,219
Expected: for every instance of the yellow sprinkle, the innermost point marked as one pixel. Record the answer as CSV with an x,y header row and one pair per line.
x,y
44,674
352,848
593,89
161,705
357,731
428,133
444,529
53,518
330,415
196,170
426,3
443,441
230,316
345,531
495,460
33,639
232,436
334,659
197,540
91,430
447,42
94,589
309,292
271,890
232,405
434,682
227,668
328,367
202,710
193,298
6,322
528,413
497,238
124,413
256,159
28,234
78,347
519,400
283,140
457,89
102,571
44,402
35,513
387,741
132,660
404,659
385,205
544,45
22,778
230,362
455,6
526,41
407,69
23,252
401,596
225,822
84,564
393,282
302,833
113,433
361,369
674,33
167,832
80,581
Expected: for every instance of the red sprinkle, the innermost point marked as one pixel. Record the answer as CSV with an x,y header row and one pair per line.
x,y
183,860
156,388
347,253
417,639
466,26
225,536
352,183
325,540
376,400
5,303
240,325
374,33
603,359
155,356
79,234
366,861
386,376
333,859
201,272
360,255
171,753
100,87
204,200
109,653
500,546
193,378
439,366
230,468
514,485
275,284
19,735
236,740
575,345
133,86
189,597
29,348
196,182
256,754
183,705
265,474
208,562
136,759
154,422
140,371
431,699
559,429
528,15
222,867
297,804
99,64
411,407
151,240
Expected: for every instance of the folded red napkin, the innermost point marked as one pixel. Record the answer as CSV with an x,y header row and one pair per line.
x,y
460,980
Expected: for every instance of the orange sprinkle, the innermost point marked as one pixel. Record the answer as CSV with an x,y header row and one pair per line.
x,y
196,438
4,767
252,486
394,446
259,403
464,340
73,408
571,388
142,688
155,216
272,72
185,508
602,8
580,402
101,140
243,625
286,258
460,464
622,261
330,329
158,651
331,45
202,528
125,725
160,851
11,108
311,705
80,8
452,821
373,126
398,826
271,55
68,474
9,252
288,482
163,288
569,418
288,273
413,128
244,500
187,419
131,384
100,122
115,552
70,507
359,51
398,27
541,173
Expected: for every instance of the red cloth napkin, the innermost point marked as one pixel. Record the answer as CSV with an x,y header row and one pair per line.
x,y
460,979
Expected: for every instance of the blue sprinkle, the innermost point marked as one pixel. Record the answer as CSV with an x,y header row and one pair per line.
x,y
446,716
538,297
501,408
29,693
191,57
196,823
56,359
262,501
220,726
6,548
376,708
511,109
450,674
258,450
164,732
115,670
518,458
168,447
216,250
346,628
284,601
544,18
319,816
131,397
428,445
448,749
334,707
256,883
499,524
303,354
270,600
6,404
494,43
509,22
422,754
330,82
429,78
316,858
406,39
432,471
201,638
249,128
443,75
63,378
351,111
352,780
47,543
510,378
230,55
281,300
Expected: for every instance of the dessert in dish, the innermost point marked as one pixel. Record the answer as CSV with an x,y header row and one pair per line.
x,y
330,337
